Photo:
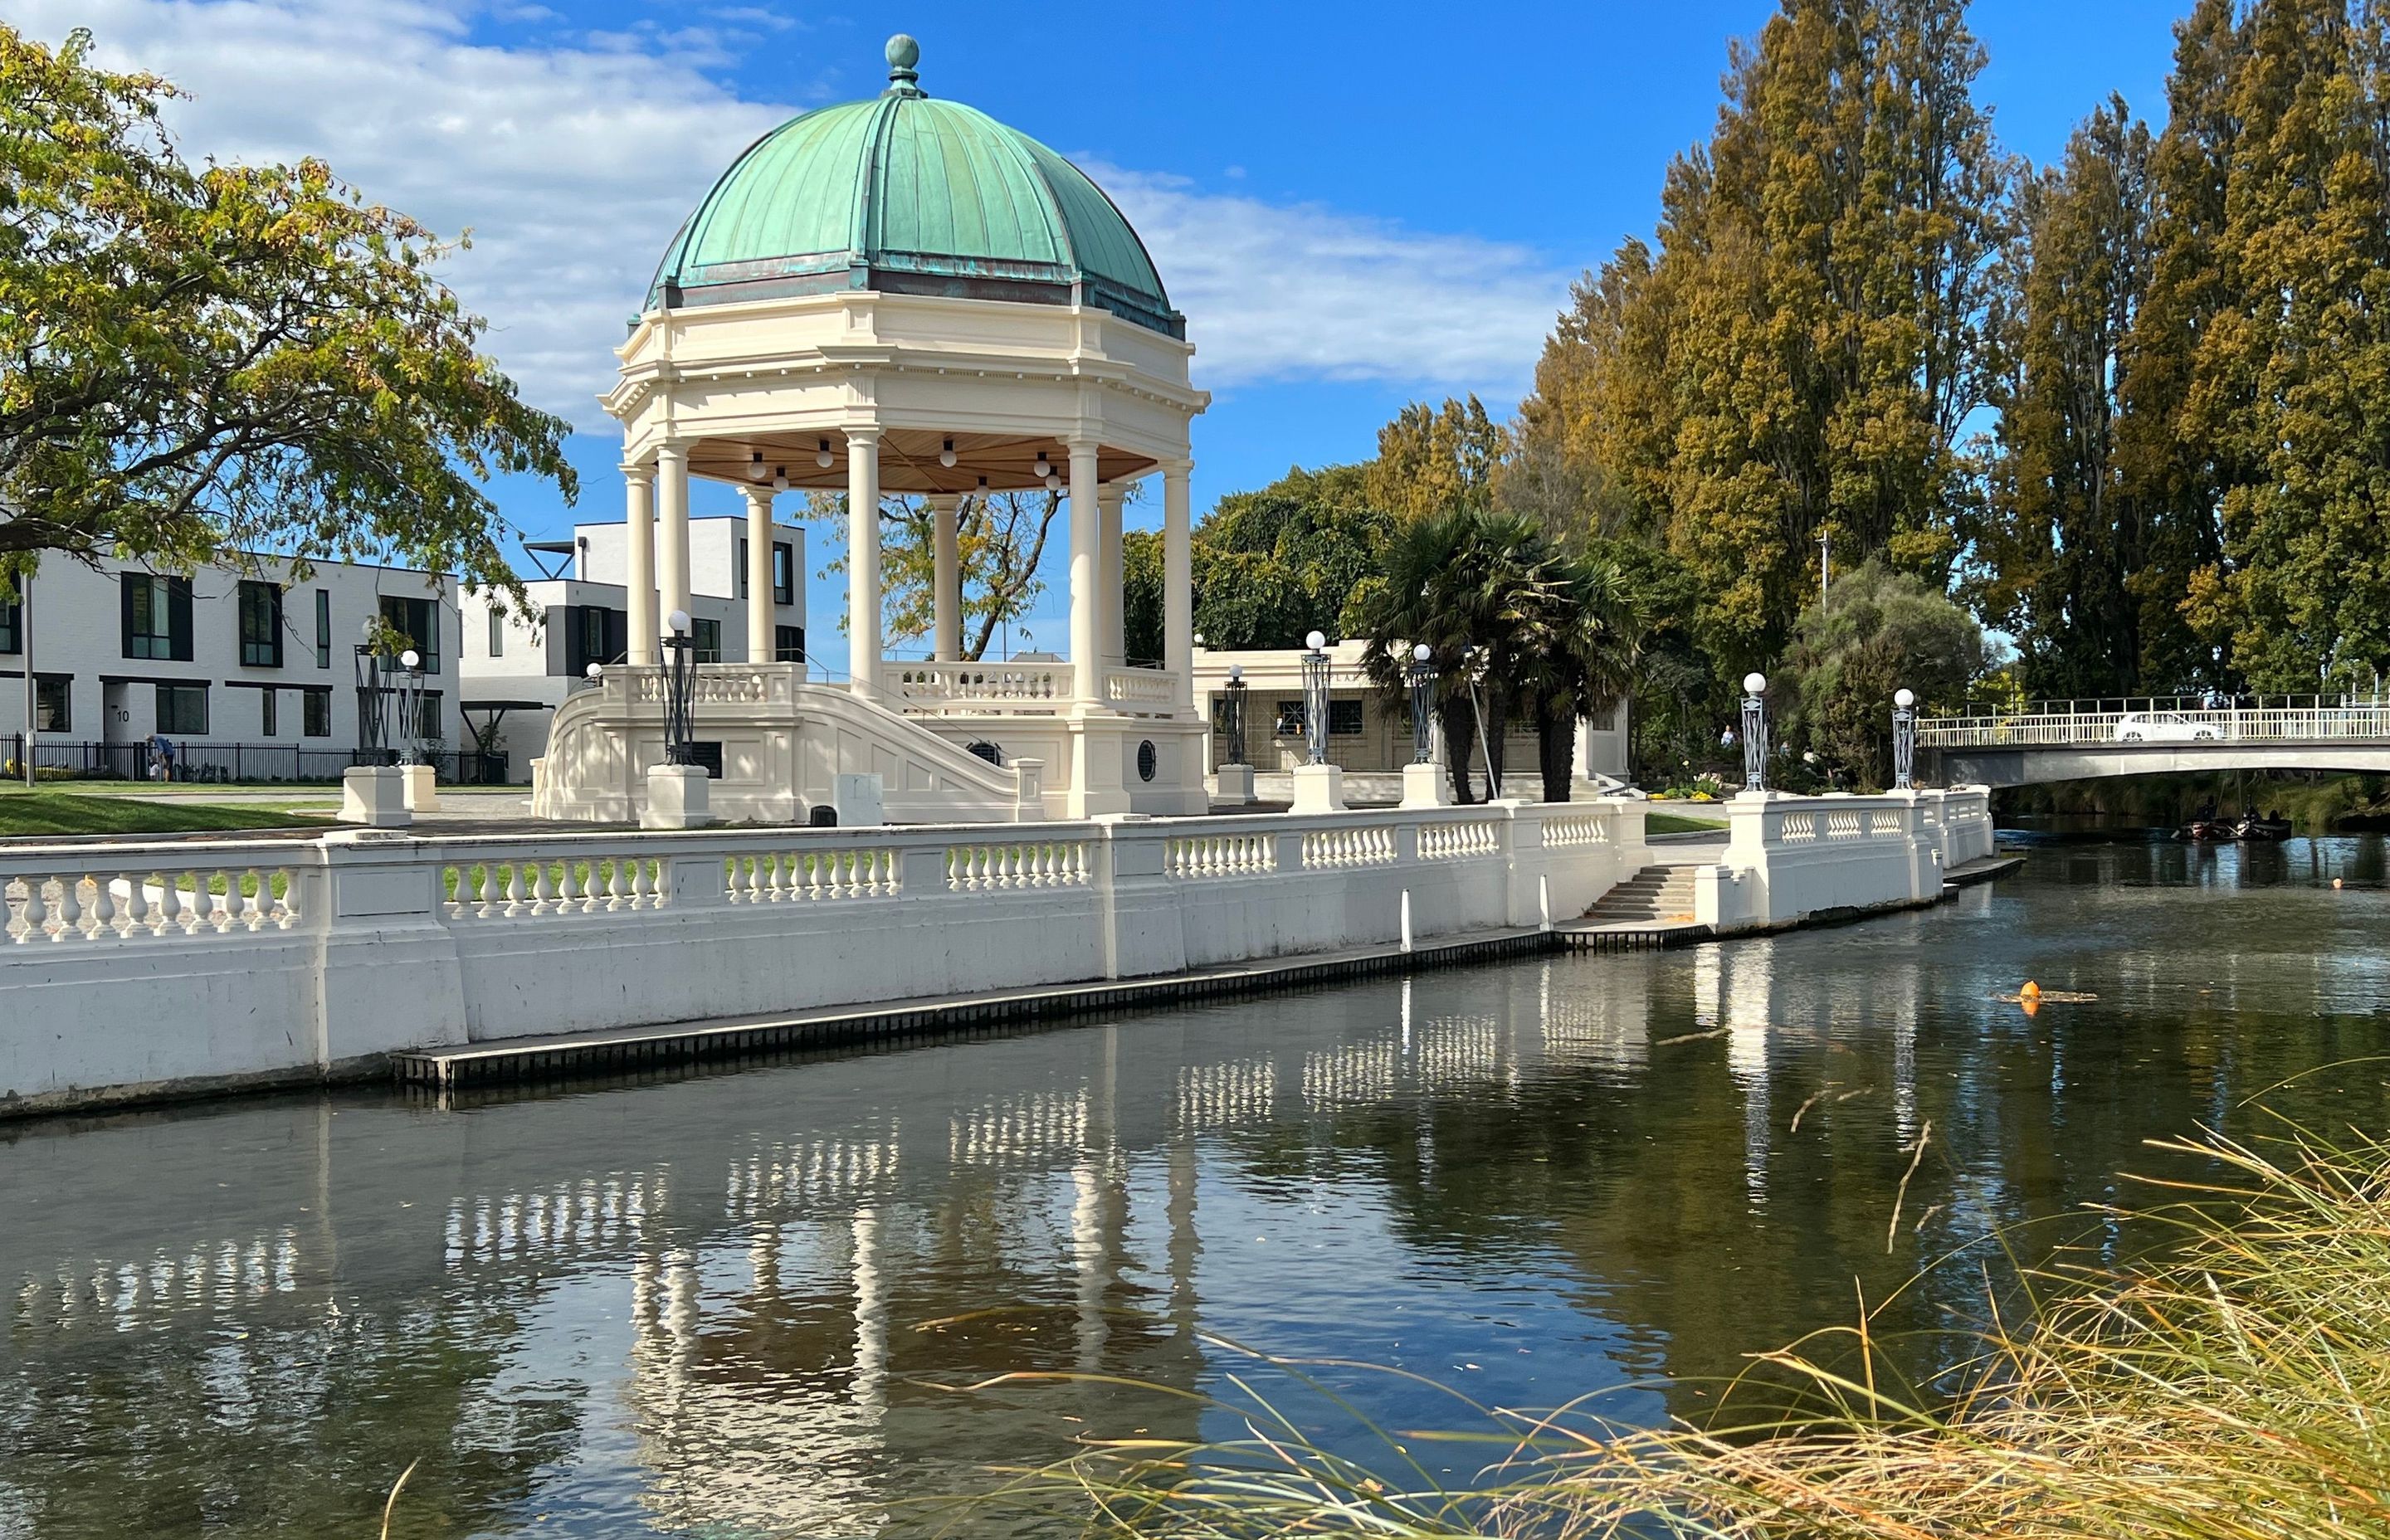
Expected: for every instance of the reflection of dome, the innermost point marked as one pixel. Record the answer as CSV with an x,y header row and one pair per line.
x,y
907,194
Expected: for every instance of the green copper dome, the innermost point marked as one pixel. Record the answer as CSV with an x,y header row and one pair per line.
x,y
910,195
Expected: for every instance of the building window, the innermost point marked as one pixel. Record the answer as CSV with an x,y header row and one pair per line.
x,y
784,572
53,703
1290,719
497,631
157,616
261,624
267,713
708,635
181,709
315,714
12,627
746,549
593,633
418,622
1345,719
427,729
323,628
788,644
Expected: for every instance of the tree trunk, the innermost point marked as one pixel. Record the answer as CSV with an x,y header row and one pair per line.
x,y
1555,745
1459,730
1497,713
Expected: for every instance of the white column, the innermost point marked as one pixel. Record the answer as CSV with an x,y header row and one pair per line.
x,y
1113,590
946,575
672,512
760,614
1179,583
863,561
640,482
1086,577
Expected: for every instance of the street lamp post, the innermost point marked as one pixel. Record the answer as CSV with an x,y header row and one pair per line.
x,y
409,700
1232,715
1318,786
1315,697
1422,683
369,671
1903,739
680,691
1755,731
1472,668
678,795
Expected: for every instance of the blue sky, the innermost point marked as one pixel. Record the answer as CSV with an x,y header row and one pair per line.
x,y
1357,206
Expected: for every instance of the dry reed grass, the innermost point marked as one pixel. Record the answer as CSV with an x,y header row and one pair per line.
x,y
2234,1388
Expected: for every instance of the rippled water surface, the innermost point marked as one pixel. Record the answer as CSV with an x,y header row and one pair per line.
x,y
744,1304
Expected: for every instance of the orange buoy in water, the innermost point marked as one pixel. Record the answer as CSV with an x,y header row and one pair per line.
x,y
2030,992
2335,882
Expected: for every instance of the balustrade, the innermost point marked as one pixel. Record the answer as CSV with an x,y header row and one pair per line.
x,y
500,887
1207,855
1368,845
1455,841
102,900
1042,864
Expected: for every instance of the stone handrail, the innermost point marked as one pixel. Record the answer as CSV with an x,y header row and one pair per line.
x,y
291,958
980,687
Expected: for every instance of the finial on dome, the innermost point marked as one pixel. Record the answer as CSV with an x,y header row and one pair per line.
x,y
903,53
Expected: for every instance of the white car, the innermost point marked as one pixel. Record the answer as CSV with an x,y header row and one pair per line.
x,y
2161,727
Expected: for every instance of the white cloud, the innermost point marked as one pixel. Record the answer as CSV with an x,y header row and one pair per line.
x,y
572,161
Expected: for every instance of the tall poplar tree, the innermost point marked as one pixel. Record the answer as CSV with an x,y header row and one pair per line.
x,y
2058,561
2292,378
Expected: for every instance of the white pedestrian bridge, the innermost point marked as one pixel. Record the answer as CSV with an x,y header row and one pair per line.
x,y
2065,741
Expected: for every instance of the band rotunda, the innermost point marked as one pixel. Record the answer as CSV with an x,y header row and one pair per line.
x,y
902,296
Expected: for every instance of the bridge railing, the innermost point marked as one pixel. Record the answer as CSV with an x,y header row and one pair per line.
x,y
2269,722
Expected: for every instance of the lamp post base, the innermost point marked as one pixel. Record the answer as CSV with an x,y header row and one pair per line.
x,y
1426,786
676,797
422,787
1236,785
374,795
1319,789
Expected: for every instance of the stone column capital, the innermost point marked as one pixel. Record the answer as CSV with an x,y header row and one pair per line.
x,y
638,470
1175,468
867,433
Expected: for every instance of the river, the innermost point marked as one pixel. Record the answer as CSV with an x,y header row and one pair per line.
x,y
755,1303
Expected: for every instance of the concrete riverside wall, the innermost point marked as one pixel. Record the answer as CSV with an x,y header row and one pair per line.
x,y
129,971
1789,857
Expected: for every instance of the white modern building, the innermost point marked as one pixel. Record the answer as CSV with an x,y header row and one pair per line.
x,y
248,669
518,667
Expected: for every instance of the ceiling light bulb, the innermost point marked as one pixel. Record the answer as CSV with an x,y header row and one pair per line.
x,y
1053,482
946,455
779,477
1044,467
822,458
755,466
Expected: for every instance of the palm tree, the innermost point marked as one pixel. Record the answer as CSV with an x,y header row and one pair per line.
x,y
1557,635
1424,599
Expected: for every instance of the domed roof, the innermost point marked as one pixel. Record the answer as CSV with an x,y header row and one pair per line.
x,y
911,195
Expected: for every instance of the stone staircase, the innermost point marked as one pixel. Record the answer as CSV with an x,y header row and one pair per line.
x,y
1656,895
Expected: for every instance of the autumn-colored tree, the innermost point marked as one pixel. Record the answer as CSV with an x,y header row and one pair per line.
x,y
196,362
1808,347
1433,459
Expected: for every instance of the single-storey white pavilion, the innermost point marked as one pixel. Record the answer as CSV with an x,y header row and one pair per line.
x,y
902,296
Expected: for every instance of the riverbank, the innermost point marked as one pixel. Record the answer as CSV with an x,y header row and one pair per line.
x,y
2233,1387
2314,802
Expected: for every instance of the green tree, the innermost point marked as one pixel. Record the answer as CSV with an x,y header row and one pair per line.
x,y
1881,631
1273,565
1809,345
198,361
2064,557
2293,374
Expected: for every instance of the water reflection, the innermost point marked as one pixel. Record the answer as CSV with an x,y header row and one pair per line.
x,y
739,1306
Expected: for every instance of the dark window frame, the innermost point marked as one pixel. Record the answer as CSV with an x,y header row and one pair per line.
x,y
60,705
788,644
182,694
323,628
784,572
315,712
700,631
148,634
258,606
12,626
420,626
269,713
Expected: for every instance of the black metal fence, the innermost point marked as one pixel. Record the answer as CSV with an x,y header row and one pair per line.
x,y
220,763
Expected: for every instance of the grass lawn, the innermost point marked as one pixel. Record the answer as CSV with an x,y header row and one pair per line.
x,y
1676,823
41,812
